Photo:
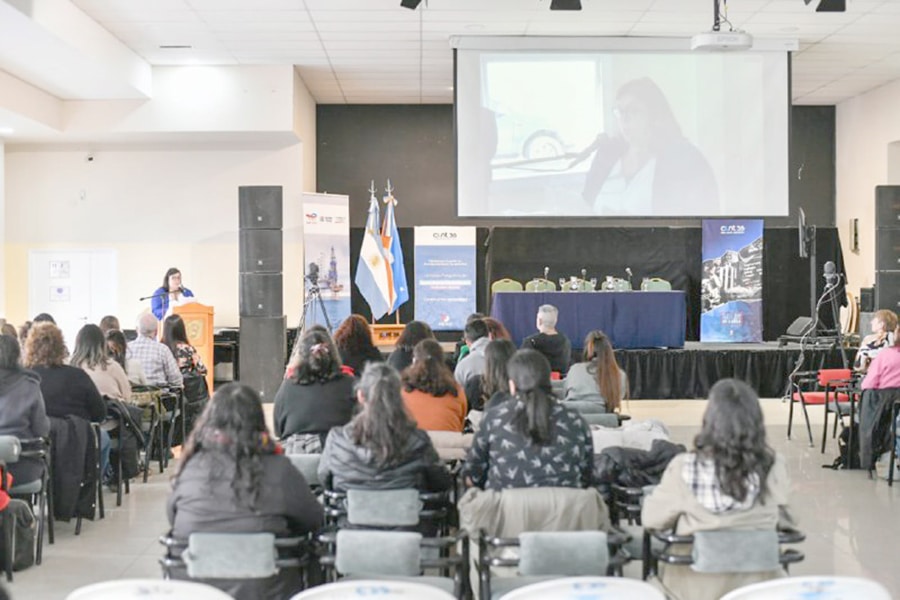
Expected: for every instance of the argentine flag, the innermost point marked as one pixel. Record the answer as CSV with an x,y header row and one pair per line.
x,y
372,270
390,239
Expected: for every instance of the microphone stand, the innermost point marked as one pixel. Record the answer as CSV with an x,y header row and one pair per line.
x,y
835,315
150,297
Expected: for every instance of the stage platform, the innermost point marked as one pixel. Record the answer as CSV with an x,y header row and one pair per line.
x,y
690,372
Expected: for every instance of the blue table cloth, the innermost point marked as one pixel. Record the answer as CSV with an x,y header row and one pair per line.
x,y
630,319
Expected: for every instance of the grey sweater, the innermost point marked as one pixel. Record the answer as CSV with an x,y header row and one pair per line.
x,y
23,415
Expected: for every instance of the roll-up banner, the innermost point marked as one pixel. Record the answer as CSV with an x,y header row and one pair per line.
x,y
326,248
445,276
732,280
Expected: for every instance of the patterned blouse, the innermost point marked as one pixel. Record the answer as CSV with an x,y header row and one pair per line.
x,y
188,360
501,457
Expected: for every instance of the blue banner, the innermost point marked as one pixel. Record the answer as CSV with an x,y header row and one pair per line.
x,y
732,280
445,276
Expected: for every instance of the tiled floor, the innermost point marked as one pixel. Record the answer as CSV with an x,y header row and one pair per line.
x,y
849,520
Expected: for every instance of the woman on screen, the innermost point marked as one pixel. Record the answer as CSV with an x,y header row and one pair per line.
x,y
647,167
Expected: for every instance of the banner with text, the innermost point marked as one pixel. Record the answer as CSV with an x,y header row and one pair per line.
x,y
445,276
326,248
732,280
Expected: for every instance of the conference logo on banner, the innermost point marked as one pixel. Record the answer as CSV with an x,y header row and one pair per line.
x,y
326,242
732,281
445,276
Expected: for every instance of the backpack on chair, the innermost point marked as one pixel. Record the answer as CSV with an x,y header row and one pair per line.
x,y
24,528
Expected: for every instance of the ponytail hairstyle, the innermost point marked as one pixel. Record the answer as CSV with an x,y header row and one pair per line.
x,y
429,372
496,378
599,352
529,371
383,426
316,359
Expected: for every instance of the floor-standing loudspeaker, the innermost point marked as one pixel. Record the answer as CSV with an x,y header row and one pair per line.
x,y
887,290
263,333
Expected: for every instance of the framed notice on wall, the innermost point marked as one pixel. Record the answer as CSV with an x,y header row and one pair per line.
x,y
445,276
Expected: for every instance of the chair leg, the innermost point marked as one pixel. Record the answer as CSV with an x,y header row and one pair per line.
x,y
825,427
48,487
41,526
9,532
893,444
119,482
790,414
808,427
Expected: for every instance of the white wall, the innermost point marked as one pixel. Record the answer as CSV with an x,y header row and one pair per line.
x,y
156,208
866,127
2,229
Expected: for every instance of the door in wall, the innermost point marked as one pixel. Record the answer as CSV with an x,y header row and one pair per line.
x,y
75,286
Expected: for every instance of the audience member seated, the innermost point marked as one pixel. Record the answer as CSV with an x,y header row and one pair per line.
x,y
433,398
496,330
116,346
43,318
67,390
23,332
157,361
381,448
732,480
91,355
314,397
599,378
22,411
884,322
413,333
354,343
492,386
548,341
232,479
108,323
531,440
472,364
462,348
174,336
884,370
10,330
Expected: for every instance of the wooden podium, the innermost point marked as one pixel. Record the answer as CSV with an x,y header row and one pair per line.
x,y
198,323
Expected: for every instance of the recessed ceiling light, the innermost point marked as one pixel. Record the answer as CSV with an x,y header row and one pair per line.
x,y
175,47
7,131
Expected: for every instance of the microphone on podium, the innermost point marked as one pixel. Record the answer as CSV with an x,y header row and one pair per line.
x,y
546,272
628,272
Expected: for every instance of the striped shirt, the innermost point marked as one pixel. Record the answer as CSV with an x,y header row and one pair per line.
x,y
157,361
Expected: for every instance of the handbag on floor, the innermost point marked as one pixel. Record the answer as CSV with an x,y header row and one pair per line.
x,y
23,535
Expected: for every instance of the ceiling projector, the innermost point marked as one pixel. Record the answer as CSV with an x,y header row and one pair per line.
x,y
717,41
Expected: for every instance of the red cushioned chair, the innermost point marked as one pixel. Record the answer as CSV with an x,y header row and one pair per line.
x,y
830,388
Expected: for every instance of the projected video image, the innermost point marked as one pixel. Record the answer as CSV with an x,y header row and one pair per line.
x,y
621,134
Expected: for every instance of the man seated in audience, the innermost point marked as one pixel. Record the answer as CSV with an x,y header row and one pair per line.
x,y
156,359
548,341
476,336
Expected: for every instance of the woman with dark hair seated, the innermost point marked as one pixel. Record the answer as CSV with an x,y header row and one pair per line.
x,y
92,356
733,479
22,412
116,346
381,448
599,377
413,333
433,398
496,330
174,335
314,396
232,479
493,386
354,343
531,440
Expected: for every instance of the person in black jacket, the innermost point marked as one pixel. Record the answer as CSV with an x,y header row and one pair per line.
x,y
354,342
381,448
22,412
67,390
232,479
314,396
413,333
553,344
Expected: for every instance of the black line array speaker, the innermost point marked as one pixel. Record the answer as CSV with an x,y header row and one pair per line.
x,y
263,342
261,251
866,300
263,333
887,249
260,207
887,206
887,290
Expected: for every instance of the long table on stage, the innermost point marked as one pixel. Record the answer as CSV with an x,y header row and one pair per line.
x,y
690,372
630,319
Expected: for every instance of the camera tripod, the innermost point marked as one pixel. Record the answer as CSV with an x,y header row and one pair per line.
x,y
311,304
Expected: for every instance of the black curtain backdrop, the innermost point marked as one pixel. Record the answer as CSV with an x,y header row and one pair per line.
x,y
669,252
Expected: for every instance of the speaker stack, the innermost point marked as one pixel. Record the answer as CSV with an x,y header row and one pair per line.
x,y
263,325
887,247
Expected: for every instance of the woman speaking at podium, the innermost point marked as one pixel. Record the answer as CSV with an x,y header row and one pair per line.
x,y
171,292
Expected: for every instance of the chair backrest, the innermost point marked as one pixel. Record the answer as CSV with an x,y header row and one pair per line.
x,y
383,508
655,284
735,551
308,465
540,284
826,376
147,589
340,590
577,285
822,586
231,555
615,284
563,553
384,553
506,285
10,448
587,587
